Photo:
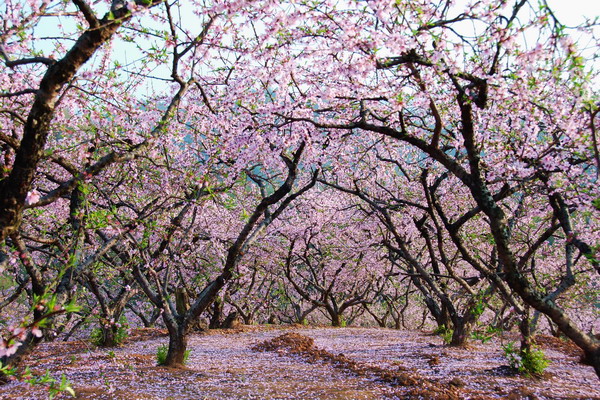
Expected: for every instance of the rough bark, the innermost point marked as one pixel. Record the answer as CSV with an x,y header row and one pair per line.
x,y
177,346
216,318
336,319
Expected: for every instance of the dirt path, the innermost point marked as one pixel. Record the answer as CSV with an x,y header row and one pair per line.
x,y
479,367
223,366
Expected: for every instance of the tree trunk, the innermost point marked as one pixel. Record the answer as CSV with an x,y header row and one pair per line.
x,y
109,336
248,319
593,358
459,335
177,347
299,316
443,319
216,319
182,300
463,326
336,319
526,333
231,321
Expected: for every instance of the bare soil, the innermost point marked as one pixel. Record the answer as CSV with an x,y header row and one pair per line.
x,y
307,363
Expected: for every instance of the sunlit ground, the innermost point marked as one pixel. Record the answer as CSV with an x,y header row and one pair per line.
x,y
223,365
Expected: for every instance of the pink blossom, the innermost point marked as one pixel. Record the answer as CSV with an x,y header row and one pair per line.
x,y
32,197
7,350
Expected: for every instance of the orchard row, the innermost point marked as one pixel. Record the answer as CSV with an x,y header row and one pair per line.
x,y
396,163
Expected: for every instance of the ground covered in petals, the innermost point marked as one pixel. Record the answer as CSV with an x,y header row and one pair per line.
x,y
307,363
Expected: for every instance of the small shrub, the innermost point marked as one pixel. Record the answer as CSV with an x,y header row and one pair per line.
x,y
512,355
6,372
53,386
485,335
531,362
445,333
97,336
161,354
121,333
535,362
